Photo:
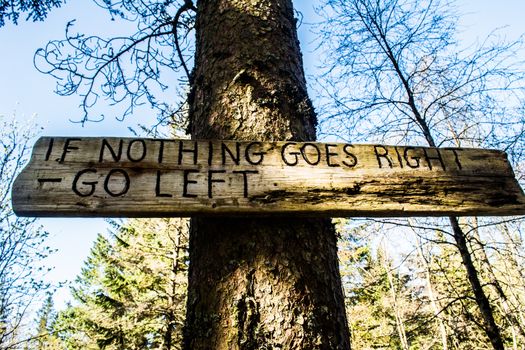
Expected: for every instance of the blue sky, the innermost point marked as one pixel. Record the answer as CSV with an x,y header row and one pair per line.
x,y
26,92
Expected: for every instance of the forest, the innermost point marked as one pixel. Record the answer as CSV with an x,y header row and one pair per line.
x,y
391,72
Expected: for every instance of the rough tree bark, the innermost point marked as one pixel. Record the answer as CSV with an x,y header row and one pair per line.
x,y
258,283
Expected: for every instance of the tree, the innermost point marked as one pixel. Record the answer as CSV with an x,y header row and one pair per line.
x,y
45,338
145,67
387,308
456,309
22,248
10,10
264,293
397,75
131,291
253,283
86,326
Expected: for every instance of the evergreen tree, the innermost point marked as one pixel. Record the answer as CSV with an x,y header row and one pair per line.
x,y
36,10
386,308
44,338
460,311
131,292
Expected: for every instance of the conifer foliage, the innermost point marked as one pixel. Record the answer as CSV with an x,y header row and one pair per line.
x,y
418,296
11,10
131,291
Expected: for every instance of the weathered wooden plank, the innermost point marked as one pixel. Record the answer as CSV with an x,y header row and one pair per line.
x,y
124,177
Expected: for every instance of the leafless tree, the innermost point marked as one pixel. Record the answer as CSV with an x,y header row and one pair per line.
x,y
129,70
398,74
22,243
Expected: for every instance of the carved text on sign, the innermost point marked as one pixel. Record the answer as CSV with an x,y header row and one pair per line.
x,y
163,177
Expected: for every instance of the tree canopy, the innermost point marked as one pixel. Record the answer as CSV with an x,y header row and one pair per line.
x,y
11,10
148,66
397,73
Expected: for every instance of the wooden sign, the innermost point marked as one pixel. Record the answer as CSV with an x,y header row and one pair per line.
x,y
126,177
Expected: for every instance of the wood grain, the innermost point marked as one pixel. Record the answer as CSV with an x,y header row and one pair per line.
x,y
125,177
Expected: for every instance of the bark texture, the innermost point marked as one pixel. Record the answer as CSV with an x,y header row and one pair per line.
x,y
258,283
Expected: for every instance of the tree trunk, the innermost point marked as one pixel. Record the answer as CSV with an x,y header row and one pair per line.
x,y
174,297
270,283
507,310
490,327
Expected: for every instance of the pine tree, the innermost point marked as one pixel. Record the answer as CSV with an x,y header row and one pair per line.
x,y
460,312
44,338
36,10
387,308
131,292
